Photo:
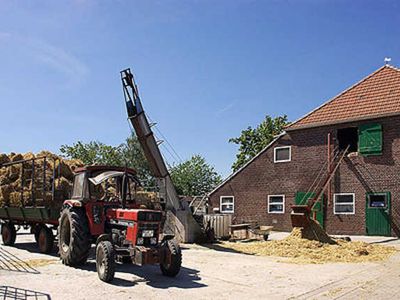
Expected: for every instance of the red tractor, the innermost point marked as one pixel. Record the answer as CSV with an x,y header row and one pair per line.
x,y
103,210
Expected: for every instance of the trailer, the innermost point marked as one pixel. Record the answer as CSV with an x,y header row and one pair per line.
x,y
38,188
103,209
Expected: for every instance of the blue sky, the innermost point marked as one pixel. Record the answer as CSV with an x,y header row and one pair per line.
x,y
205,69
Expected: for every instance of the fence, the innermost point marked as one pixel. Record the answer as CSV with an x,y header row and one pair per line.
x,y
220,223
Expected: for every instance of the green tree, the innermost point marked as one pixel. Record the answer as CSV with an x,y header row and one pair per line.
x,y
94,153
134,157
194,177
252,140
128,154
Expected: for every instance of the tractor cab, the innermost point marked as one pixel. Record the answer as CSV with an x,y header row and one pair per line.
x,y
105,184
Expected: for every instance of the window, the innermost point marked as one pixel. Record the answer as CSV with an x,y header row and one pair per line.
x,y
343,204
377,200
276,204
348,137
78,186
227,204
282,154
370,139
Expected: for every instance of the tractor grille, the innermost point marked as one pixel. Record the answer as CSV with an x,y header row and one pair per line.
x,y
152,216
148,226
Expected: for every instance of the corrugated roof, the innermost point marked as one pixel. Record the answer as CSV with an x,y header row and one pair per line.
x,y
376,95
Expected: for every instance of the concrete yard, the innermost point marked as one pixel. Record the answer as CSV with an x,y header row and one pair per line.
x,y
207,273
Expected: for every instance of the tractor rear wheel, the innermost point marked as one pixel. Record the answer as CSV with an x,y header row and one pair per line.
x,y
8,234
73,236
45,240
172,266
105,261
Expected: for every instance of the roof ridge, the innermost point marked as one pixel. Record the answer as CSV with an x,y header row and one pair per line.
x,y
393,67
341,93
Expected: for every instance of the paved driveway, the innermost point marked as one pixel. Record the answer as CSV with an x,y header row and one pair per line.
x,y
206,274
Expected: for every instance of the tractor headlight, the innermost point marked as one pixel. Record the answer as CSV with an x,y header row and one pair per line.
x,y
153,240
140,241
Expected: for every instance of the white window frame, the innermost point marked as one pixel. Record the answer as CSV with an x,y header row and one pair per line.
x,y
233,204
283,204
285,160
353,203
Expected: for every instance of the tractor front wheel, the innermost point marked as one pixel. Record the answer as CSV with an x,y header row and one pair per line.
x,y
105,261
73,236
172,259
8,234
45,240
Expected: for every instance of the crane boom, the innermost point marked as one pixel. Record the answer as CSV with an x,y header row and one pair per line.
x,y
179,217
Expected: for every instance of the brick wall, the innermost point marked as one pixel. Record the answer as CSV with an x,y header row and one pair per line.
x,y
356,174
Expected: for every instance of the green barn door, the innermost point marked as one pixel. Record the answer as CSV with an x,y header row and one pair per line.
x,y
377,214
301,199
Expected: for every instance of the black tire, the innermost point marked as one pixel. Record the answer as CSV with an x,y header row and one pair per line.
x,y
8,234
171,269
45,240
36,232
105,261
73,237
266,236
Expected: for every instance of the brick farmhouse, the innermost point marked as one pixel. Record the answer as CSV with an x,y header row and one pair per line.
x,y
363,196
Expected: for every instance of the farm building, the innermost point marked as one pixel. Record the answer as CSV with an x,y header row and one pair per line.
x,y
346,153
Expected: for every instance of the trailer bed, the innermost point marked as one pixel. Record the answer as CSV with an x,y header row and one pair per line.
x,y
26,215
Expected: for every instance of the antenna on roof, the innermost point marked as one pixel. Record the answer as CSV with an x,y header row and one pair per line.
x,y
387,60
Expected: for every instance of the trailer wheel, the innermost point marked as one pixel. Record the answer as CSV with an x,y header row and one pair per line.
x,y
45,240
173,267
8,234
36,230
105,261
73,237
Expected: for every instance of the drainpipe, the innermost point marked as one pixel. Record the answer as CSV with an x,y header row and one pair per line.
x,y
329,168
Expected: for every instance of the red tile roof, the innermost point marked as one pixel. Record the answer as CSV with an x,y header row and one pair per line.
x,y
376,95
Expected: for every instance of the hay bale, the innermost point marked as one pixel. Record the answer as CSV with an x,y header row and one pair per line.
x,y
4,179
74,163
10,180
48,154
13,172
4,158
5,191
63,170
15,199
28,155
16,157
146,198
64,185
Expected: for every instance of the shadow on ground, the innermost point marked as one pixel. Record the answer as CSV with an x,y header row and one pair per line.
x,y
386,241
151,275
33,248
9,292
217,247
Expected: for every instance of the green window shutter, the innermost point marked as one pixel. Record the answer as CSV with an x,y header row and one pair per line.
x,y
370,139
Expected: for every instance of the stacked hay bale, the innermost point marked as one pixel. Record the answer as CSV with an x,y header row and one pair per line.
x,y
16,185
146,199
